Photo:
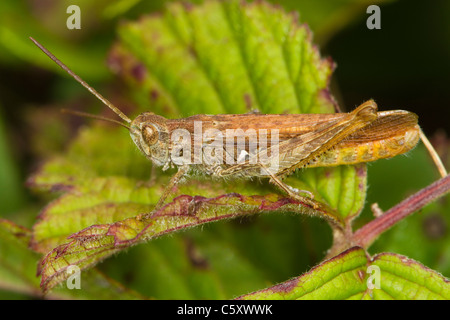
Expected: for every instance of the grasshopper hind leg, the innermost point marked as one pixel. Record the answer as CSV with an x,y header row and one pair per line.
x,y
295,193
291,191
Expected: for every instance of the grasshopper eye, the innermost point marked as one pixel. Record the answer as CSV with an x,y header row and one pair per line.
x,y
150,134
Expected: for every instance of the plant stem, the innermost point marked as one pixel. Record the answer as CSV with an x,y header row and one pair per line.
x,y
368,233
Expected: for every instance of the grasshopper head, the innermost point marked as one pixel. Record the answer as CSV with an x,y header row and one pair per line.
x,y
151,135
148,131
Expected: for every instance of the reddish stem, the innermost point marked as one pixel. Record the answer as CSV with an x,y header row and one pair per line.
x,y
368,233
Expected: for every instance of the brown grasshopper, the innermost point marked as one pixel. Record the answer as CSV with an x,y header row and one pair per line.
x,y
264,145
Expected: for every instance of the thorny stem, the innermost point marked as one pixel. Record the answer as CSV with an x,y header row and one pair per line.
x,y
368,233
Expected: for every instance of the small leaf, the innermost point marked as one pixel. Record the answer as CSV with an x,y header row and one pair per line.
x,y
346,276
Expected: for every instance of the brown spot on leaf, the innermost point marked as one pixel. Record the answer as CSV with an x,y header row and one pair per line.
x,y
286,287
60,187
361,275
195,257
361,186
295,16
248,101
154,95
326,95
139,72
434,227
361,171
116,60
192,51
187,5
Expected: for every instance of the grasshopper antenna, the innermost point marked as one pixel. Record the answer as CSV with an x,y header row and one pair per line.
x,y
82,82
93,116
434,155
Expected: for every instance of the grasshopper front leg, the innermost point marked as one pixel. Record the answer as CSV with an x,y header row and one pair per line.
x,y
182,170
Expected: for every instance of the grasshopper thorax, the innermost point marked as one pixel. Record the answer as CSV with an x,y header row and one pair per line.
x,y
151,135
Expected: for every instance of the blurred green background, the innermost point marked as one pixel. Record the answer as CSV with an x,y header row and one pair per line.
x,y
405,65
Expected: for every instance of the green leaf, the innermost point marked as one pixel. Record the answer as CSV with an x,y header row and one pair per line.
x,y
350,274
224,57
219,57
18,271
98,241
17,262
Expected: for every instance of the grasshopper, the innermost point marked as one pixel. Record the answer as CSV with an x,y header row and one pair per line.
x,y
290,141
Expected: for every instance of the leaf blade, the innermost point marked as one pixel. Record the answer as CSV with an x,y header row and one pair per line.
x,y
347,276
